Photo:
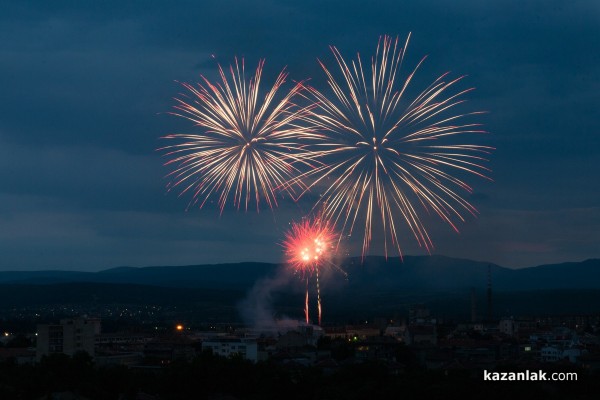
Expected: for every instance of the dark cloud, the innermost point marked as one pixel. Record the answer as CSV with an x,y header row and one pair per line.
x,y
86,87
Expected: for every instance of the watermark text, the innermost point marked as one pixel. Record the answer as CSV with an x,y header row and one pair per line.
x,y
528,375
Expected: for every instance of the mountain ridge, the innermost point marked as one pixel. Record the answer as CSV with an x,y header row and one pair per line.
x,y
430,273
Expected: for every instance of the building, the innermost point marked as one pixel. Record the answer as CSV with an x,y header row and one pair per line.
x,y
550,354
421,335
67,337
165,349
508,326
228,347
397,332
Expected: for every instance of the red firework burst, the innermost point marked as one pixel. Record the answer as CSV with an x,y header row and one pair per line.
x,y
308,245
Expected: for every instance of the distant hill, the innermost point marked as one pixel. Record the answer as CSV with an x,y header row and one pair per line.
x,y
434,273
240,275
366,288
412,273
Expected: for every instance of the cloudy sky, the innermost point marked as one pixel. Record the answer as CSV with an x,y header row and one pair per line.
x,y
85,87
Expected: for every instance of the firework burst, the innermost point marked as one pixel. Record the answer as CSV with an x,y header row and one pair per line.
x,y
249,143
388,158
308,248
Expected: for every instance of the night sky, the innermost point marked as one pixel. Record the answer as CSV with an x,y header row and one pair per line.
x,y
86,87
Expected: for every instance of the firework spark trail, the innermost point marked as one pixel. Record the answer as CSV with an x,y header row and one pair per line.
x,y
249,145
308,247
320,310
306,309
386,156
